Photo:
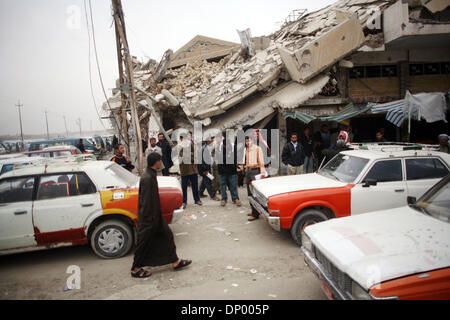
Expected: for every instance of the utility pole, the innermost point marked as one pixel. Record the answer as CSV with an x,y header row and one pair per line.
x,y
46,121
65,125
128,87
78,121
19,105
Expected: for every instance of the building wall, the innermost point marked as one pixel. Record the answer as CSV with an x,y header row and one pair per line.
x,y
429,83
366,87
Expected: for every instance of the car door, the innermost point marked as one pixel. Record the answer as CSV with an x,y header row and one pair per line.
x,y
389,192
16,219
63,203
422,174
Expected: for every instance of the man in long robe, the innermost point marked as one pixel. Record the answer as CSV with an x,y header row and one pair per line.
x,y
155,243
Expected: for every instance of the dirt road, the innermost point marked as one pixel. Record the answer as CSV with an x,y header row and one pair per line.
x,y
232,259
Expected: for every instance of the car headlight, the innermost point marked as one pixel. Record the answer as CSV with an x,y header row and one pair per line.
x,y
358,293
306,242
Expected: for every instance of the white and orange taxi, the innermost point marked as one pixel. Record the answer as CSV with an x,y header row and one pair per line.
x,y
69,203
352,183
401,253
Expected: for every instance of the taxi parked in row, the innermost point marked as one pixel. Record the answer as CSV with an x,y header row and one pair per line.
x,y
65,204
400,253
352,183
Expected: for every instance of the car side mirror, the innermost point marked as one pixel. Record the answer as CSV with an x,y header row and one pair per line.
x,y
369,182
411,200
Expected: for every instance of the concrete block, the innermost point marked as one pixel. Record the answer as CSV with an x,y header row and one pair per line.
x,y
323,51
436,5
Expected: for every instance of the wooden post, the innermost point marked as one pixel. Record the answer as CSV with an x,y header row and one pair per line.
x,y
119,20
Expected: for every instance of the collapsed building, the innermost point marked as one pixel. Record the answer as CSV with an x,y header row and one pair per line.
x,y
325,66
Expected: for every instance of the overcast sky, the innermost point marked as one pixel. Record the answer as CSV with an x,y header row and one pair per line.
x,y
44,55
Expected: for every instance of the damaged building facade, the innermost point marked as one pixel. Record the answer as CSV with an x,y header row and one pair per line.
x,y
326,66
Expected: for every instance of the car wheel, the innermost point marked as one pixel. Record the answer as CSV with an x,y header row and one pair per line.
x,y
304,219
112,239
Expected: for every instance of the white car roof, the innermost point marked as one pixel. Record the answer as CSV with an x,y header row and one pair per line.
x,y
20,159
59,147
392,153
57,166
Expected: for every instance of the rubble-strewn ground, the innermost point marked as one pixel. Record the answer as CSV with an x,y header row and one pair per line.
x,y
280,270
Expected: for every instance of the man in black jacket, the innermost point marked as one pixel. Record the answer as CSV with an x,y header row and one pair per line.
x,y
227,165
166,154
293,155
204,170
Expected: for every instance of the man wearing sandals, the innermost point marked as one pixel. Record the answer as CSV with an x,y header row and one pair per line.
x,y
155,243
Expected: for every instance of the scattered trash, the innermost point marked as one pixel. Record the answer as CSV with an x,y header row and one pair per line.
x,y
236,269
202,212
190,217
229,267
66,288
228,233
272,295
236,239
171,279
181,234
221,279
248,222
205,215
235,285
253,271
219,229
242,211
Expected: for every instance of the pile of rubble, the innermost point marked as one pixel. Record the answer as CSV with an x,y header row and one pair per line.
x,y
295,67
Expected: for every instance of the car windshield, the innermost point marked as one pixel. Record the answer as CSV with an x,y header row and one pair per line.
x,y
123,174
436,201
344,168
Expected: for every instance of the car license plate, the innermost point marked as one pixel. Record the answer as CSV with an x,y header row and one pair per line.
x,y
327,291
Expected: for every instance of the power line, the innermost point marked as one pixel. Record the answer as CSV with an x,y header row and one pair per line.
x,y
90,71
99,72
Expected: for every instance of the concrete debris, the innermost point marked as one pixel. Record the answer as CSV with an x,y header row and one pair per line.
x,y
163,65
435,5
313,58
246,41
281,71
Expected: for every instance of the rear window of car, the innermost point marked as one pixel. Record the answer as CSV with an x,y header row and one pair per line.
x,y
431,168
64,185
122,174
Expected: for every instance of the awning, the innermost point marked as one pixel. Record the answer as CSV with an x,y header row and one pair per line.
x,y
348,112
306,118
396,111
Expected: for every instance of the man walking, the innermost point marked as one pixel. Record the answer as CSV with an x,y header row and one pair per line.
x,y
308,146
254,165
204,170
121,159
188,169
293,155
166,154
227,167
155,242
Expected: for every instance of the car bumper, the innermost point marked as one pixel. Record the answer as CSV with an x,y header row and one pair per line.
x,y
177,214
274,222
317,268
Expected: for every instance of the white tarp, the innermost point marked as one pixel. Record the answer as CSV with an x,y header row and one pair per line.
x,y
429,106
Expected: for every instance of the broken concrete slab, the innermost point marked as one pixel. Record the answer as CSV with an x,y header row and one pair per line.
x,y
436,5
163,65
170,98
305,63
